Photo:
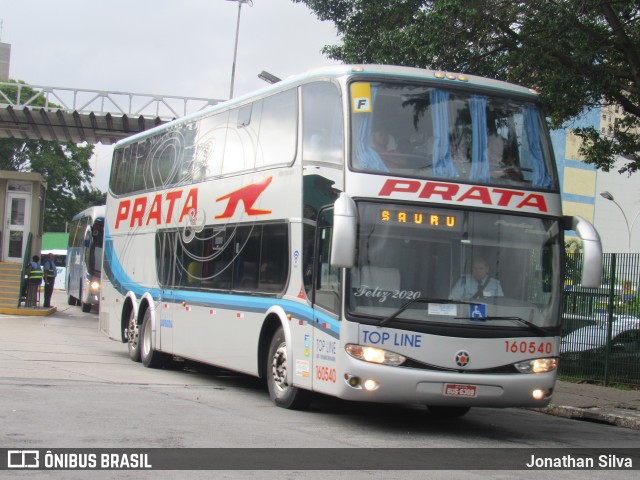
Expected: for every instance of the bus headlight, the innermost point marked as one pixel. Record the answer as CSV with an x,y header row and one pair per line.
x,y
94,285
539,365
374,355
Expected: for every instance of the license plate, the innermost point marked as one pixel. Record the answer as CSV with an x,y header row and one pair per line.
x,y
456,390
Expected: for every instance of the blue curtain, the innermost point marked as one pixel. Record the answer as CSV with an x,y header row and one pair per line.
x,y
366,157
540,176
479,151
442,162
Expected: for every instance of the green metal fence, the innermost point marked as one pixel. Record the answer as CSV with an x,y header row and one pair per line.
x,y
601,326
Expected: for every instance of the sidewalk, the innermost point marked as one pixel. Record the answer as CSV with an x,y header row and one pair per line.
x,y
595,403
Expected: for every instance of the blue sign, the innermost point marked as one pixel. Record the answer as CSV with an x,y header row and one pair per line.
x,y
478,311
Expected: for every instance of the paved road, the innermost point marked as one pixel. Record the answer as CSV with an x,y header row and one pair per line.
x,y
63,384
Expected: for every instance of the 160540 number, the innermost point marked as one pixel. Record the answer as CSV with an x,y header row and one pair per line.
x,y
514,346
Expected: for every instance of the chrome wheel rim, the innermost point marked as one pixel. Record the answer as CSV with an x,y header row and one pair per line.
x,y
279,367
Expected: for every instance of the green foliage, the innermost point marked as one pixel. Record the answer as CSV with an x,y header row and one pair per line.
x,y
577,53
64,166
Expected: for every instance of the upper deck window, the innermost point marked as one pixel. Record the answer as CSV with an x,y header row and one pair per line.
x,y
420,131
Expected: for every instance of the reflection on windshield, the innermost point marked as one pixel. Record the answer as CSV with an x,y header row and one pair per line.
x,y
469,265
427,132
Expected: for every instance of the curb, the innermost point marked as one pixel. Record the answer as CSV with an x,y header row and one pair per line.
x,y
28,312
619,417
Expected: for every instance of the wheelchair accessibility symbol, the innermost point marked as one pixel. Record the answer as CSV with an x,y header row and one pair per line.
x,y
478,311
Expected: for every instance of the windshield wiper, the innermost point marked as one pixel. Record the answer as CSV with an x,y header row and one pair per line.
x,y
384,321
529,324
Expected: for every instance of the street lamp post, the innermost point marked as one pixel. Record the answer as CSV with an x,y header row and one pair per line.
x,y
608,196
235,48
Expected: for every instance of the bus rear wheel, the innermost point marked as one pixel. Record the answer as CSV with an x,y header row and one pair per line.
x,y
448,412
149,356
283,394
133,337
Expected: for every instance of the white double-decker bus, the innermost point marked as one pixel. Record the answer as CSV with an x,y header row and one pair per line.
x,y
324,234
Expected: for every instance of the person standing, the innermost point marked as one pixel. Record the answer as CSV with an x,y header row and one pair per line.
x,y
49,273
34,275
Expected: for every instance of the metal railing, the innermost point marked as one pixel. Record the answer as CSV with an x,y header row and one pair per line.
x,y
601,326
165,107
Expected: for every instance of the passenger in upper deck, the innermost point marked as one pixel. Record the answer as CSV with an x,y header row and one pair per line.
x,y
384,145
502,164
396,155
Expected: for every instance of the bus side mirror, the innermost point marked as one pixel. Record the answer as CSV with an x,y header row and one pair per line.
x,y
345,223
592,259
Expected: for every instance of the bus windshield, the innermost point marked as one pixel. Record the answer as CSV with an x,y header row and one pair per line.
x,y
455,267
425,132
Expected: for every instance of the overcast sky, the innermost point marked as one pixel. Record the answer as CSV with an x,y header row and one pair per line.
x,y
164,47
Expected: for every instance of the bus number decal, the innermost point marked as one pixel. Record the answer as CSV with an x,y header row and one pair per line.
x,y
522,346
326,374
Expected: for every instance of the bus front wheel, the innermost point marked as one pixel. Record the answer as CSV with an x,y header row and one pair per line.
x,y
133,337
283,394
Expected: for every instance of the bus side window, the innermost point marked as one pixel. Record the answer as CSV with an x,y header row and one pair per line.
x,y
322,123
277,137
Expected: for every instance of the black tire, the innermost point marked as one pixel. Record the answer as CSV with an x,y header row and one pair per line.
x,y
283,395
448,412
149,357
86,307
71,300
133,337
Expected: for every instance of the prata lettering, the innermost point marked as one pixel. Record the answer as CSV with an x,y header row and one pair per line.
x,y
474,195
159,210
397,339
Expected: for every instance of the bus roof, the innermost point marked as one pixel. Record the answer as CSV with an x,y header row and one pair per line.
x,y
93,212
336,71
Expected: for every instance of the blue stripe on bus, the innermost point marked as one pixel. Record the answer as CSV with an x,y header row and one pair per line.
x,y
248,303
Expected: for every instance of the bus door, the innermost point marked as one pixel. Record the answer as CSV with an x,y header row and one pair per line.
x,y
165,264
327,301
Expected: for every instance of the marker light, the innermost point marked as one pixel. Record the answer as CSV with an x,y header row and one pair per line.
x,y
375,355
95,285
539,365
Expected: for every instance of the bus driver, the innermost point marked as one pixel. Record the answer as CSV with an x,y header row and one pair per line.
x,y
477,285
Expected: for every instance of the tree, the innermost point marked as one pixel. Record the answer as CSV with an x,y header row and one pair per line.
x,y
64,166
579,54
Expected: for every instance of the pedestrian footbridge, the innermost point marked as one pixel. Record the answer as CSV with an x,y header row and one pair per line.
x,y
33,112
